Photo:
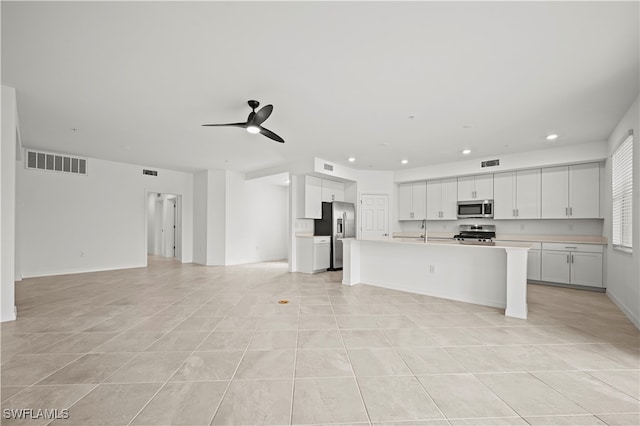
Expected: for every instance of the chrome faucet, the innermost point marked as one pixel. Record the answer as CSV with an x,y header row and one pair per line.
x,y
424,226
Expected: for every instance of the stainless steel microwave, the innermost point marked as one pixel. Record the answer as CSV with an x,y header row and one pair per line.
x,y
475,209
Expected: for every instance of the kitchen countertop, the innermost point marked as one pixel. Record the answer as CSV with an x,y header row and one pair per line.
x,y
448,242
569,239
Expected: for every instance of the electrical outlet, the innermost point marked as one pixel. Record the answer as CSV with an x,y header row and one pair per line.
x,y
432,269
81,254
570,227
522,227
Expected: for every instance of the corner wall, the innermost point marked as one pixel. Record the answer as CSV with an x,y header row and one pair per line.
x,y
623,269
8,206
73,223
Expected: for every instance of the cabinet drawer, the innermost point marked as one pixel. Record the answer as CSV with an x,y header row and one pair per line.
x,y
586,248
322,240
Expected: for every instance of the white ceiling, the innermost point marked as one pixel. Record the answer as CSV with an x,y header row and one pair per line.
x,y
137,80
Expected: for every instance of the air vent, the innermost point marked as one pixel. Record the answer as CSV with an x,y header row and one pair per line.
x,y
38,160
328,167
491,163
149,172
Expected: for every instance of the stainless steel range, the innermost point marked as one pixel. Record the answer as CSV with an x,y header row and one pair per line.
x,y
476,234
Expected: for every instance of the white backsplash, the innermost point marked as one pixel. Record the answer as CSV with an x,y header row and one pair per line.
x,y
526,227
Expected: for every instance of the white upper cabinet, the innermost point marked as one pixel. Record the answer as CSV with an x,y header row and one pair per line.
x,y
571,191
517,195
310,197
332,191
478,187
412,199
442,199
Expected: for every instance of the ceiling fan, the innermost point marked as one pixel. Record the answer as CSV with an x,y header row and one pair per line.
x,y
255,120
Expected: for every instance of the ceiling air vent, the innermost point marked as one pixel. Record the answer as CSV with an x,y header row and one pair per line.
x,y
149,172
38,160
491,163
328,167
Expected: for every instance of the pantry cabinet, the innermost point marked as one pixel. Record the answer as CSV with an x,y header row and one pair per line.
x,y
478,187
442,199
312,191
571,191
412,201
517,195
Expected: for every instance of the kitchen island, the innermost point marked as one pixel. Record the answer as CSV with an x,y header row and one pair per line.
x,y
493,276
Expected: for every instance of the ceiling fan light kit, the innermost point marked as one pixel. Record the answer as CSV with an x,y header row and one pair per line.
x,y
254,121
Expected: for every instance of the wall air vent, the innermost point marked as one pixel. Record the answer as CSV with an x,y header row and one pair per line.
x,y
38,160
491,163
149,172
328,167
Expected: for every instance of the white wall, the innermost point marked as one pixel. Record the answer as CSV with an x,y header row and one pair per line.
x,y
73,223
571,154
8,207
623,269
256,221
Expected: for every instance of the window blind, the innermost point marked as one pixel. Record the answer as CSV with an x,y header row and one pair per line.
x,y
622,193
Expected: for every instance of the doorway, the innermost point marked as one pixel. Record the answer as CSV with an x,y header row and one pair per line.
x,y
164,230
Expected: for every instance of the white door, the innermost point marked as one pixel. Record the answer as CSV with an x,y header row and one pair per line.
x,y
504,196
420,200
374,217
466,188
170,229
449,205
405,201
528,194
586,269
584,191
555,266
434,199
484,187
555,192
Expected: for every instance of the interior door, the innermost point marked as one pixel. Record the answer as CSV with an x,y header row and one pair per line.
x,y
374,217
170,231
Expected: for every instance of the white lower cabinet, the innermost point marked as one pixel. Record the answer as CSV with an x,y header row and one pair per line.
x,y
533,265
578,264
312,254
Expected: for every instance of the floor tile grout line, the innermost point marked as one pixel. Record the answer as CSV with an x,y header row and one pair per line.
x,y
295,365
364,405
226,390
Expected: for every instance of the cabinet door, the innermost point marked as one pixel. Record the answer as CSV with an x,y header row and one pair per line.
x,y
434,199
533,265
419,200
528,194
466,188
332,191
312,197
504,196
584,191
555,192
449,206
556,266
405,201
483,187
321,253
586,269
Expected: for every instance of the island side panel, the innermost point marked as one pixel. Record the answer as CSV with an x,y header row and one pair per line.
x,y
517,283
351,261
465,273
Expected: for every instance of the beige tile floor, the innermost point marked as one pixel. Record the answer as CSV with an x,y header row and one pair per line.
x,y
177,344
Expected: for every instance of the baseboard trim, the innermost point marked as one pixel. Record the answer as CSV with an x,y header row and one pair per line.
x,y
634,319
80,271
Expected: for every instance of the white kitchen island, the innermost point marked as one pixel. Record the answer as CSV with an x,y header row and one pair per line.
x,y
493,276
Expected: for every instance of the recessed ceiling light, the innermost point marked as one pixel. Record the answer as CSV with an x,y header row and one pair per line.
x,y
352,159
466,151
253,129
552,137
404,161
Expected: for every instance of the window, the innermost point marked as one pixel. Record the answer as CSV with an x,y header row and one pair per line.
x,y
622,192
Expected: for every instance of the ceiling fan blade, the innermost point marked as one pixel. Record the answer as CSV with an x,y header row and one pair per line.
x,y
229,124
252,114
268,133
262,115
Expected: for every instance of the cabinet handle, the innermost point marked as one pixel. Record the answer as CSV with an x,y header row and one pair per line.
x,y
566,211
570,247
517,212
570,211
567,258
572,258
411,215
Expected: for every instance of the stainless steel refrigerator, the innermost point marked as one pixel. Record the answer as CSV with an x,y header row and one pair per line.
x,y
338,221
